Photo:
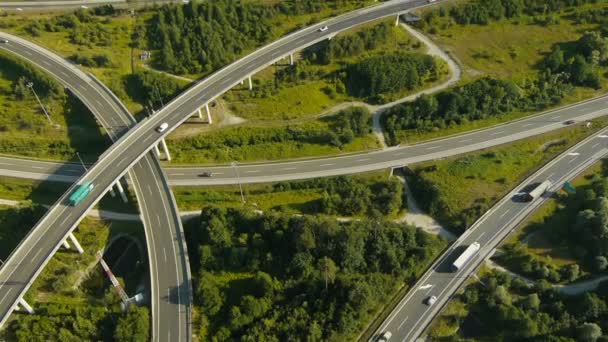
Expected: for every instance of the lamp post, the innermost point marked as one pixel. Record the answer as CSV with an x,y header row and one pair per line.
x,y
31,86
235,165
81,162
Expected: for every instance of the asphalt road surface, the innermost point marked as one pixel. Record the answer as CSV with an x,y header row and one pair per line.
x,y
167,257
31,255
412,315
331,166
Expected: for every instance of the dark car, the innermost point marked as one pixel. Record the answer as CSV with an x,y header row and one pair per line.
x,y
569,122
206,174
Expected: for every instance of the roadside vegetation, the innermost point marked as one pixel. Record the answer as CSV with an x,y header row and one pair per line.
x,y
540,55
25,130
348,131
67,307
275,276
371,194
458,190
501,308
565,239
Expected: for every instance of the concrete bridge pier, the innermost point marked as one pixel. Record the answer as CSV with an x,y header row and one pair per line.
x,y
209,120
291,59
76,243
121,191
250,83
397,21
198,114
156,150
25,305
165,149
66,245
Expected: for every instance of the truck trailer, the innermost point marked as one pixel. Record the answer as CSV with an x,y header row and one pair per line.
x,y
80,193
537,192
465,256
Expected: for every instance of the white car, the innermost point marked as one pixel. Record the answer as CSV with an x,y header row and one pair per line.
x,y
323,29
162,127
385,337
431,300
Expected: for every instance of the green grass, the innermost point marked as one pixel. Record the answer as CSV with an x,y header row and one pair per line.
x,y
310,98
485,176
219,146
260,196
25,130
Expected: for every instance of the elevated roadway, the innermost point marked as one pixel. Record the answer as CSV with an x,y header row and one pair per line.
x,y
33,253
338,165
169,270
412,315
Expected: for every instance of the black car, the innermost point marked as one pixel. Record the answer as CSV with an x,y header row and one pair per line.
x,y
569,122
206,174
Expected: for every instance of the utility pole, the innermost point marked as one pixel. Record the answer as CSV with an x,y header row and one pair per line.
x,y
31,86
238,179
81,162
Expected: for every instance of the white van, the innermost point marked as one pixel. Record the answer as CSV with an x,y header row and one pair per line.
x,y
385,337
162,127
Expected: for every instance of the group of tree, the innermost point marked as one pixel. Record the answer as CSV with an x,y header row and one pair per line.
x,y
22,73
204,36
84,27
579,65
153,89
310,277
502,308
94,61
483,12
61,322
347,196
390,73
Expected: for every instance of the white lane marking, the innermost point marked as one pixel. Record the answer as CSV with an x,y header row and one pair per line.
x,y
505,213
433,147
6,294
64,74
595,145
497,133
254,171
99,103
465,140
148,138
27,53
480,235
165,253
323,165
556,117
65,219
362,160
572,160
527,125
37,167
35,255
46,63
551,175
82,87
9,164
177,174
218,173
402,323
150,191
289,168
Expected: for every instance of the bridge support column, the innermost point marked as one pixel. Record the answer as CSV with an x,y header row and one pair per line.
x,y
250,83
198,113
26,306
397,21
66,245
76,243
209,120
121,191
291,59
156,150
165,149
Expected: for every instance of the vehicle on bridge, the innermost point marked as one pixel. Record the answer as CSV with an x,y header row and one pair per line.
x,y
385,337
465,256
536,192
81,193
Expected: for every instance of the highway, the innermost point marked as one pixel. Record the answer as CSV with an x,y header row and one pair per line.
x,y
412,315
332,166
158,209
31,255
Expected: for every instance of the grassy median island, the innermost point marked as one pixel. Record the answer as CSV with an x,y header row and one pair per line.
x,y
459,189
24,128
276,276
347,131
544,59
66,302
372,193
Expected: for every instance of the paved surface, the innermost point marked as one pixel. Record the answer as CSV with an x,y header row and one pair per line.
x,y
168,260
412,316
332,166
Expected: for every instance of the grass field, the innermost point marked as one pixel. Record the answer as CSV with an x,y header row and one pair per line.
x,y
479,179
25,130
310,97
260,196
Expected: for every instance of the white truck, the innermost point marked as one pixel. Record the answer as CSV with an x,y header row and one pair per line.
x,y
465,256
537,192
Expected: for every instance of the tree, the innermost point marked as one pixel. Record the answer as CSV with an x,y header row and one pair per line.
x,y
134,325
589,332
502,295
572,272
531,302
327,270
209,294
601,263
